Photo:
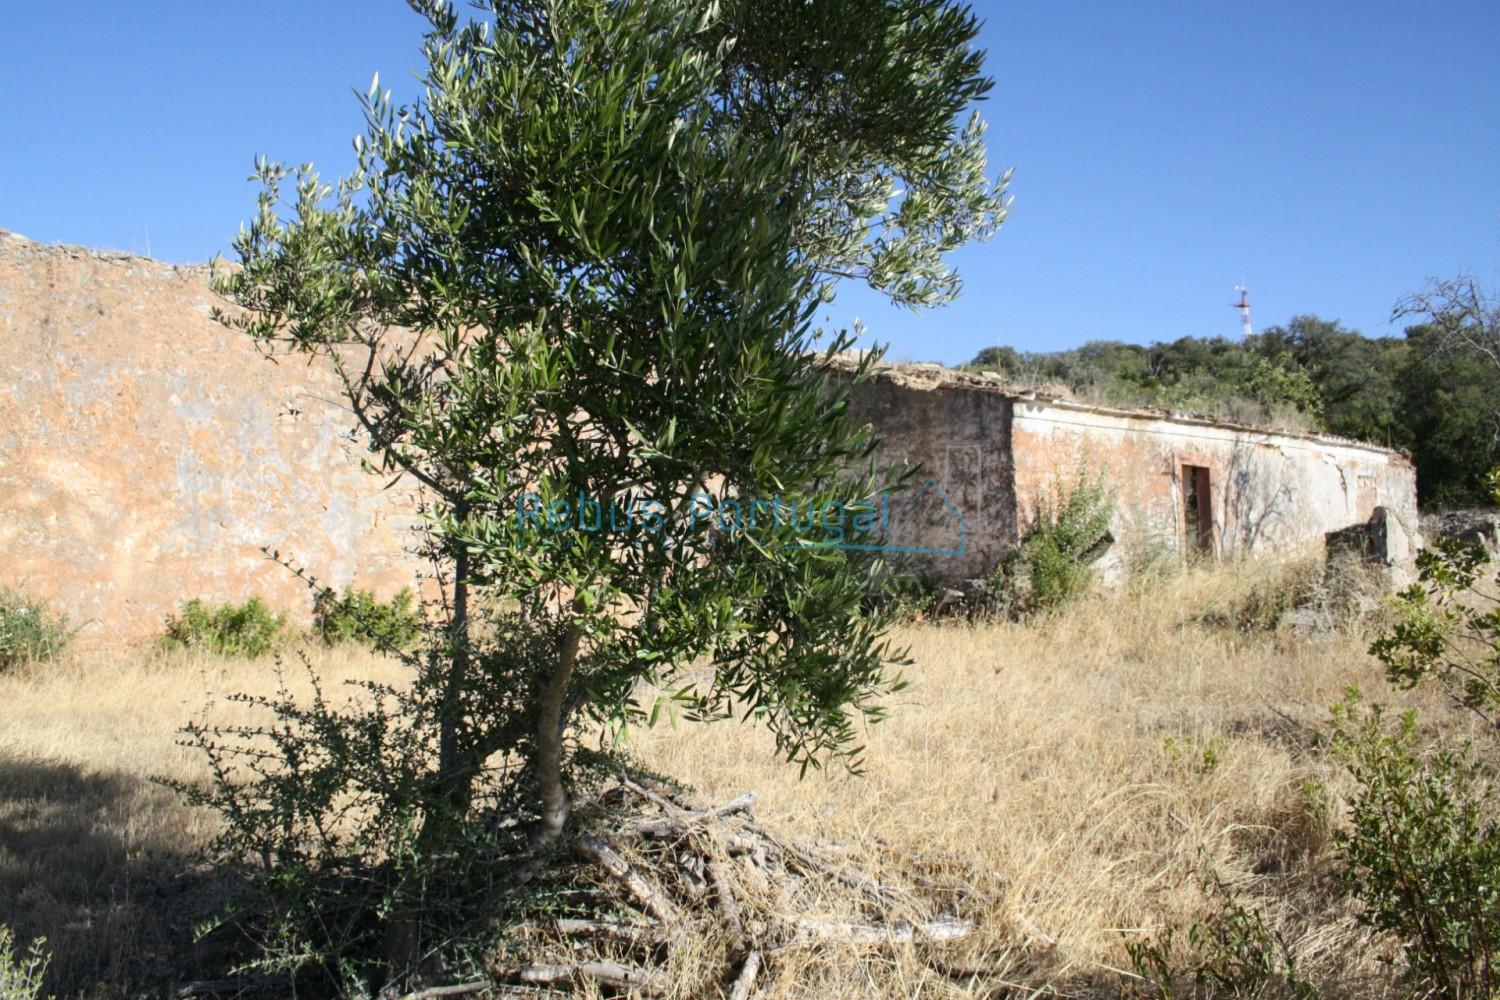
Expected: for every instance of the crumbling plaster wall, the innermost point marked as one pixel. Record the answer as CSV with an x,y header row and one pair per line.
x,y
147,453
996,452
1271,492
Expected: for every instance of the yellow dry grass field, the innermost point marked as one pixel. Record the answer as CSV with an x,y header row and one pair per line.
x,y
1096,765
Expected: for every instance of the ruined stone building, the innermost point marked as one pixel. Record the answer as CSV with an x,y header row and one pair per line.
x,y
1183,485
148,456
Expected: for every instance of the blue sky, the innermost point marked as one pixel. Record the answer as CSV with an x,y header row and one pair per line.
x,y
1333,155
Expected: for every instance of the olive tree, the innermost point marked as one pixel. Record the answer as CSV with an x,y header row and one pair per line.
x,y
568,292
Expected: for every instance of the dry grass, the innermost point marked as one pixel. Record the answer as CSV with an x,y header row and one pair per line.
x,y
1095,762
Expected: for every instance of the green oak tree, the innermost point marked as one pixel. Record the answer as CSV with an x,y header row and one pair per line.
x,y
1453,387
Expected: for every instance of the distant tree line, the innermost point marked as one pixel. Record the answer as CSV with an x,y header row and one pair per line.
x,y
1434,392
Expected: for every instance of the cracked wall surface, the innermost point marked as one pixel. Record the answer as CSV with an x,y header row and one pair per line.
x,y
998,453
1269,492
147,453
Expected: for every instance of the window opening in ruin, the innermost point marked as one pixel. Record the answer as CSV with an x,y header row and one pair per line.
x,y
1197,510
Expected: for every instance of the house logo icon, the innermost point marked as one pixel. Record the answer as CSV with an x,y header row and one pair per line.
x,y
929,523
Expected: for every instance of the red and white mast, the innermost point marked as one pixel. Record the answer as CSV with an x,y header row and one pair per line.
x,y
1243,305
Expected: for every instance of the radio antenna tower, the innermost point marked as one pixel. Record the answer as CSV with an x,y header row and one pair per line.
x,y
1243,305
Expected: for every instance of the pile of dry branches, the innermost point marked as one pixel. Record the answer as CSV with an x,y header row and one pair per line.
x,y
688,900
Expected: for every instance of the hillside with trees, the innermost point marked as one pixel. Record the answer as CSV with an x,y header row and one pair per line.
x,y
1434,392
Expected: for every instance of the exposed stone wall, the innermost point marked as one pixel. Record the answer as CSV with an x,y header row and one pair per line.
x,y
146,453
960,440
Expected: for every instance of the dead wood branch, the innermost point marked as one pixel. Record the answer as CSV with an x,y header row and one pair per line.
x,y
745,981
638,935
649,896
880,894
238,986
934,931
728,907
679,819
455,990
696,870
608,973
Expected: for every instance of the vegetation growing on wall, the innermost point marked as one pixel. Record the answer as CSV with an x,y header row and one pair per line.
x,y
1053,565
1434,392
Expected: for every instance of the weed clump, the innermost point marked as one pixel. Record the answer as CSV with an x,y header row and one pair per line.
x,y
1270,594
1053,565
29,631
250,629
358,616
1234,952
21,974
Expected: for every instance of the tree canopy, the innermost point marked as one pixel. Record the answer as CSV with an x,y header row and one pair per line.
x,y
1434,392
568,292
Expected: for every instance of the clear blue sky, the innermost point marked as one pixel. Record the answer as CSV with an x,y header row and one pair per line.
x,y
1332,155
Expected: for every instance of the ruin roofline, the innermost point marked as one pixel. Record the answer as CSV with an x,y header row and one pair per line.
x,y
913,375
933,376
16,244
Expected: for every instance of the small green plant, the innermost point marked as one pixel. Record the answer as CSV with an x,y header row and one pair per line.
x,y
1233,952
1422,850
248,629
1202,756
1053,565
1492,483
359,616
29,631
21,975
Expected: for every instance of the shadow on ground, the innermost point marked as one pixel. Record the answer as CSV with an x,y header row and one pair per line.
x,y
98,864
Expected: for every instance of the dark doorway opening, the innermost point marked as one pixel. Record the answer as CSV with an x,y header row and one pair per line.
x,y
1197,510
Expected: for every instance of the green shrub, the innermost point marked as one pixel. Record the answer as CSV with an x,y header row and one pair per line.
x,y
21,975
28,630
1233,952
1196,754
1422,851
358,616
1053,564
249,629
319,796
1447,629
